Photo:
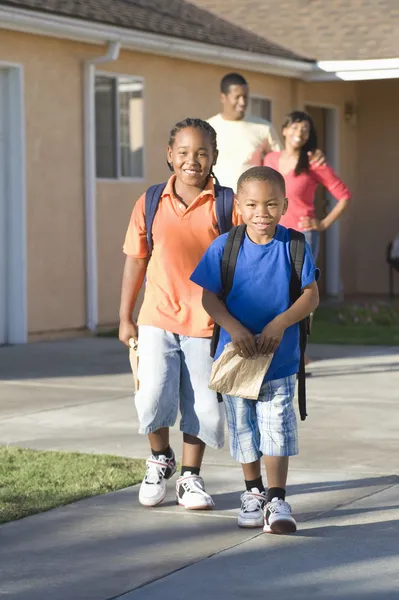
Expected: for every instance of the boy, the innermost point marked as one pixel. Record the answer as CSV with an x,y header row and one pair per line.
x,y
258,319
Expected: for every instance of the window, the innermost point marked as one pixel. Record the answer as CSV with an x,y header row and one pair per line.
x,y
260,107
119,127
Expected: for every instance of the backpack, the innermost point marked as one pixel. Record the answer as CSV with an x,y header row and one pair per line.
x,y
224,198
297,254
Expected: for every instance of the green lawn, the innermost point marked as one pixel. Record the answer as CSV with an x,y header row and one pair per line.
x,y
370,324
33,481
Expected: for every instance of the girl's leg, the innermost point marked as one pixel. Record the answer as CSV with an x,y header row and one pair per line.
x,y
201,423
157,407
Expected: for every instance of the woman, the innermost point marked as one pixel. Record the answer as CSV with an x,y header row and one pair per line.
x,y
302,179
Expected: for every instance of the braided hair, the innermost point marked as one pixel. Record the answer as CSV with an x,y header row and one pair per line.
x,y
196,124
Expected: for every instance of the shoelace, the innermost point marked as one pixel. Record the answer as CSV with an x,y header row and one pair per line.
x,y
155,470
252,502
194,484
278,506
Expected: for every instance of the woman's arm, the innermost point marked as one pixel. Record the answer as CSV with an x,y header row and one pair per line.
x,y
327,177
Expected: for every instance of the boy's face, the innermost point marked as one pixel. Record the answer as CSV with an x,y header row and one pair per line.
x,y
235,102
192,156
261,205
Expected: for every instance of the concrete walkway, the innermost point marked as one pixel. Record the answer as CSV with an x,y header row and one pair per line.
x,y
76,395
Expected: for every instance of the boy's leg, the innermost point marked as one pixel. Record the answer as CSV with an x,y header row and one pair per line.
x,y
244,447
157,406
279,441
201,423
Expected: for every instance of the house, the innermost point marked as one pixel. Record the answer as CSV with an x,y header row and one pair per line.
x,y
89,90
355,46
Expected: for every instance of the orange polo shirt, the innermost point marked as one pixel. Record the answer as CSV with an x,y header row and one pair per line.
x,y
181,235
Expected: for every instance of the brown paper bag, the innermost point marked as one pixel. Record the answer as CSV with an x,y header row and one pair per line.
x,y
236,376
134,361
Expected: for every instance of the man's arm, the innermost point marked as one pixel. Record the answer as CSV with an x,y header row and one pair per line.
x,y
270,143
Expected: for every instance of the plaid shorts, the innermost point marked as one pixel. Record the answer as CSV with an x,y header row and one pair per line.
x,y
266,426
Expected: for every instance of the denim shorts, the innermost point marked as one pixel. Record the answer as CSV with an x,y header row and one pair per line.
x,y
266,426
313,239
173,373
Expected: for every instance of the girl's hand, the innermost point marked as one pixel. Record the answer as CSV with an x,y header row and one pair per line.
x,y
244,342
127,330
271,336
317,158
311,224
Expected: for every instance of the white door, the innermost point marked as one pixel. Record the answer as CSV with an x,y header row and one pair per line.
x,y
3,207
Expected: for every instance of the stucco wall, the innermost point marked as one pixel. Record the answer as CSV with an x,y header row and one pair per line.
x,y
377,214
54,177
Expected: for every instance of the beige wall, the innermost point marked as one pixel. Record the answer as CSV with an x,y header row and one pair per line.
x,y
377,214
54,163
174,89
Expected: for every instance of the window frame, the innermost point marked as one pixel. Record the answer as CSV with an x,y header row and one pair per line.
x,y
119,177
262,97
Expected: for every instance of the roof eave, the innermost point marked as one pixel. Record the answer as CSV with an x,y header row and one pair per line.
x,y
49,24
354,70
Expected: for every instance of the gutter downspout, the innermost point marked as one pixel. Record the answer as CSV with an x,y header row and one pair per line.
x,y
90,182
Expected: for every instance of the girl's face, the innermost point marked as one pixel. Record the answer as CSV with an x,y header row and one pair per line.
x,y
297,134
192,156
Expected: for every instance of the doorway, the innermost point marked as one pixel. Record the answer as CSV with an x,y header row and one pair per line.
x,y
13,326
326,124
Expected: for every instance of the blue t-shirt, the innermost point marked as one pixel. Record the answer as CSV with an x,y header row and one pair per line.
x,y
260,291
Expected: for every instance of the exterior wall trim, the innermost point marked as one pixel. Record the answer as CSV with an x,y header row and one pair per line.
x,y
90,183
16,205
39,23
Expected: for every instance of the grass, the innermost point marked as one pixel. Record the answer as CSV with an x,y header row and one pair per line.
x,y
375,323
33,481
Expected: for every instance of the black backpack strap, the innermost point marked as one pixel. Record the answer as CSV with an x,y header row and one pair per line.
x,y
224,198
152,198
297,254
227,270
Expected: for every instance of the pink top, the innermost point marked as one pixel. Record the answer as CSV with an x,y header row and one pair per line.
x,y
301,189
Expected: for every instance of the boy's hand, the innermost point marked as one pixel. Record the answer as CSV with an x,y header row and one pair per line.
x,y
243,341
127,330
317,158
271,337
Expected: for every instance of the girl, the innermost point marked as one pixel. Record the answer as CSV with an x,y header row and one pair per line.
x,y
174,330
302,179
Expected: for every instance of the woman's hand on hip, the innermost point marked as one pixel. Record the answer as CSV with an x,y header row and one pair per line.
x,y
311,224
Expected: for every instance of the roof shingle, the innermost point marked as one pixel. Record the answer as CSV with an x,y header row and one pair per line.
x,y
175,18
337,30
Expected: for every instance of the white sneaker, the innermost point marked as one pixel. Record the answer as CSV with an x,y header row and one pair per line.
x,y
278,517
153,487
191,494
252,505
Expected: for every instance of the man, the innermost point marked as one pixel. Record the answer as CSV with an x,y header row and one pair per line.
x,y
243,141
